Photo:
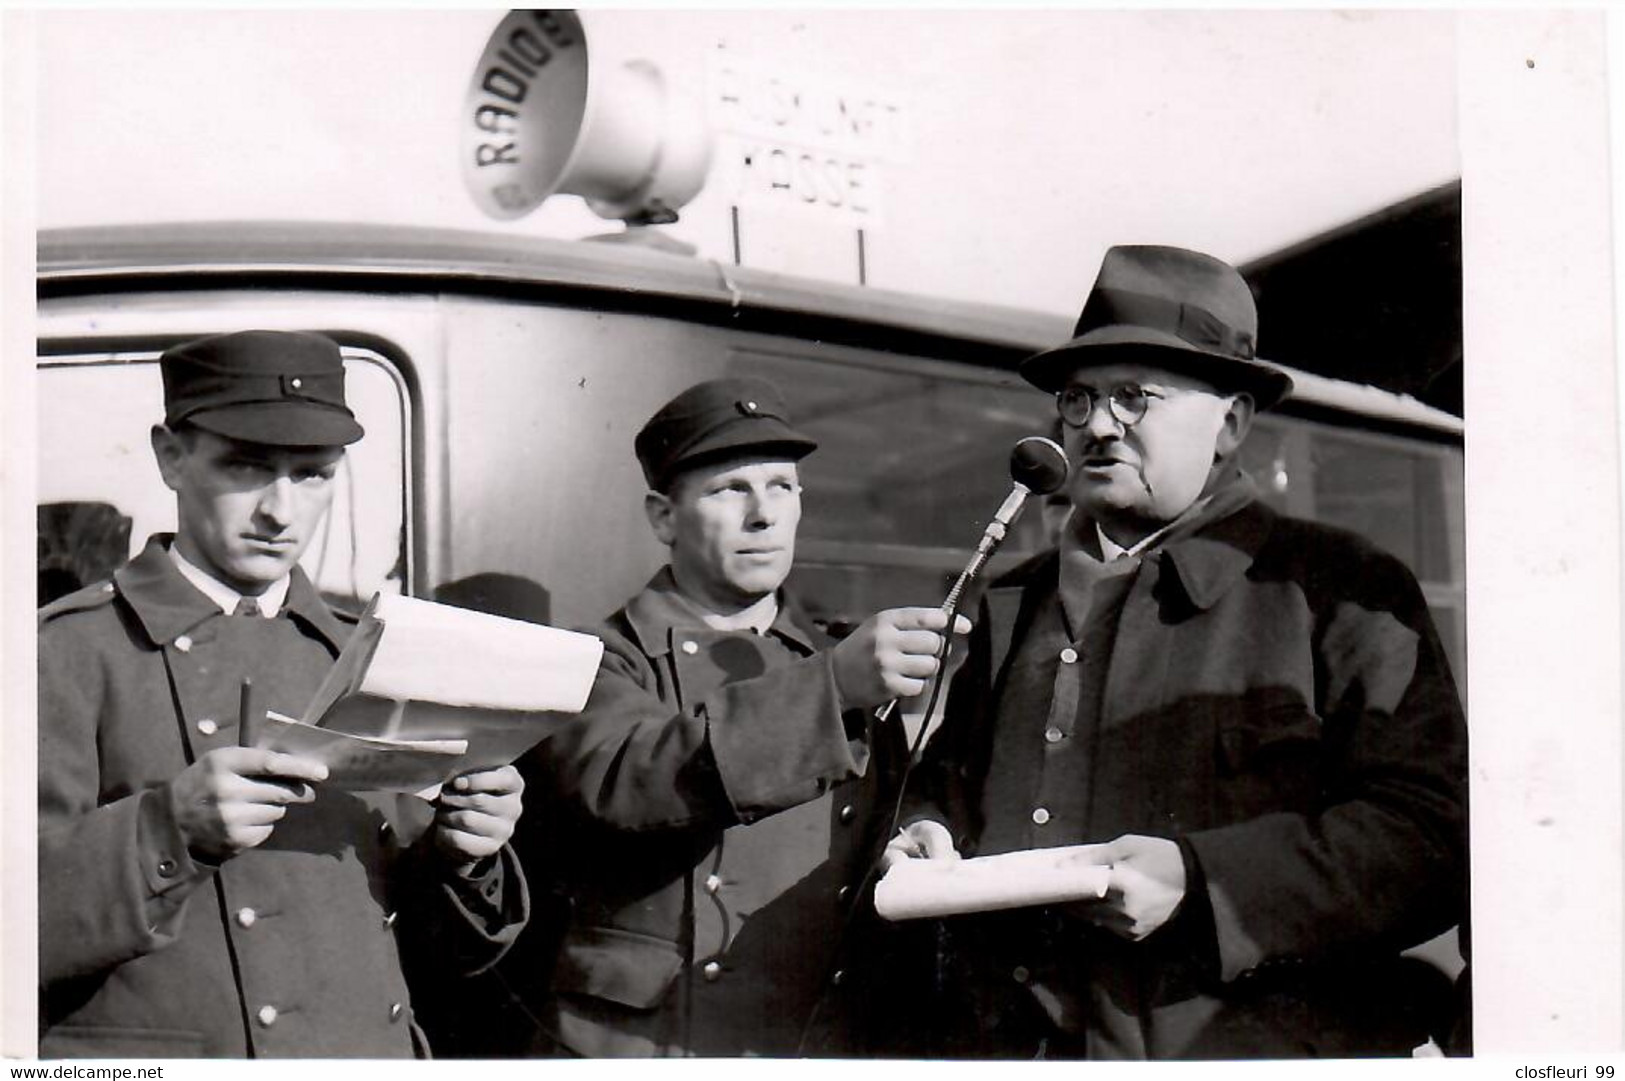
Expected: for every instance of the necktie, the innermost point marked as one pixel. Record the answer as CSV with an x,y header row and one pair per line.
x,y
246,606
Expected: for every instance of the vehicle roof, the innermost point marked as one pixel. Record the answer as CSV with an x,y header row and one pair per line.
x,y
614,271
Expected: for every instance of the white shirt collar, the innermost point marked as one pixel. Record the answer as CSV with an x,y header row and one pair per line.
x,y
224,596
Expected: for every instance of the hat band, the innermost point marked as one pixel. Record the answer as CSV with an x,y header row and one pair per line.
x,y
224,390
1189,322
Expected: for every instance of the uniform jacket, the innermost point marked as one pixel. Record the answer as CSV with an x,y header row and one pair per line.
x,y
711,814
1276,699
289,948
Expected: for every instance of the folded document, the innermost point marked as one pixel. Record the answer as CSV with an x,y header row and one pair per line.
x,y
423,692
919,888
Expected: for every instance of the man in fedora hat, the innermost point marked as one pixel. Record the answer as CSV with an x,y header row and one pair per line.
x,y
710,815
200,896
1251,716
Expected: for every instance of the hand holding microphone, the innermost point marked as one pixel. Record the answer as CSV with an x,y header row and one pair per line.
x,y
891,655
1037,466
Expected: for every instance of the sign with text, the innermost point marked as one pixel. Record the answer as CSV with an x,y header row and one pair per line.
x,y
787,140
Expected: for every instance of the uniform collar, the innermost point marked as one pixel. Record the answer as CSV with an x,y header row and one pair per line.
x,y
659,608
168,605
225,598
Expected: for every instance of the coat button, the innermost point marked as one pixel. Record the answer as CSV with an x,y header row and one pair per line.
x,y
184,643
1020,974
267,1016
396,1012
389,919
712,971
384,828
167,868
296,382
691,647
1040,815
838,977
207,726
246,917
712,883
1053,734
848,813
843,893
1069,655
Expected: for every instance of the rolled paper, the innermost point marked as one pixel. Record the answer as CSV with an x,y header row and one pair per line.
x,y
919,888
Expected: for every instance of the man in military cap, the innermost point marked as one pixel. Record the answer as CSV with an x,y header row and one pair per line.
x,y
1250,715
711,813
198,897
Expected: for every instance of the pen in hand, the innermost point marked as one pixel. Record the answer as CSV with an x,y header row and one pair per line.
x,y
248,715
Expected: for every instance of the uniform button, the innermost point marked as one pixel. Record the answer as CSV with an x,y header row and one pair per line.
x,y
1052,734
838,977
1069,655
389,919
750,407
1020,974
296,382
396,1012
1040,815
713,971
848,813
207,726
267,1016
843,893
691,647
166,868
184,643
384,827
712,883
246,917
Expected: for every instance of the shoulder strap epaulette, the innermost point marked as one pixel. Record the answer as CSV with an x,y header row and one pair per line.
x,y
95,595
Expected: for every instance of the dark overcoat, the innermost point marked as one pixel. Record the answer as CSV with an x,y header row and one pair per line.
x,y
293,947
708,818
1275,698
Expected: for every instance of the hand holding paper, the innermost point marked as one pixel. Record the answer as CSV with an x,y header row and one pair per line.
x,y
1147,886
477,812
231,798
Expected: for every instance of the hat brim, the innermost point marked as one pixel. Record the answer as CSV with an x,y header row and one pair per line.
x,y
281,424
757,436
1050,370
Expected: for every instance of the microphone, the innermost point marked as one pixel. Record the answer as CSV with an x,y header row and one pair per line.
x,y
1038,466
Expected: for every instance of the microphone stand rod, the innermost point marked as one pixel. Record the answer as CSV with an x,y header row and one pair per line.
x,y
992,537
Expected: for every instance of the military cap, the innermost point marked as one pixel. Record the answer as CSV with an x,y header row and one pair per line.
x,y
714,420
277,387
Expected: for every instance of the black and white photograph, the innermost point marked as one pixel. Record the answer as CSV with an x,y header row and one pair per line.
x,y
948,535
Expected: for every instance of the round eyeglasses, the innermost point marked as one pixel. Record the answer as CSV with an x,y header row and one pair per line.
x,y
1126,403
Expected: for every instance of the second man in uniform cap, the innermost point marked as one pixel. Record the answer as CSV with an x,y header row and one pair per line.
x,y
709,816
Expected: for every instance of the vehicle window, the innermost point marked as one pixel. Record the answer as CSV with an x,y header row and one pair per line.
x,y
1404,495
101,496
912,462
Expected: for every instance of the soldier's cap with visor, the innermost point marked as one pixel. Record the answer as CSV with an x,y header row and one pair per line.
x,y
280,388
1170,308
716,421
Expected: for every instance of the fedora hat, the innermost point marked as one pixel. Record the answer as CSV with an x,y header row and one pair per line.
x,y
1181,310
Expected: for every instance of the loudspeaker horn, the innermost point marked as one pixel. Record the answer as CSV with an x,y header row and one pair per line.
x,y
540,119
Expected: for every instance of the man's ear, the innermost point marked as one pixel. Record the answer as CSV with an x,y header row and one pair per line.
x,y
170,450
1238,421
659,510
